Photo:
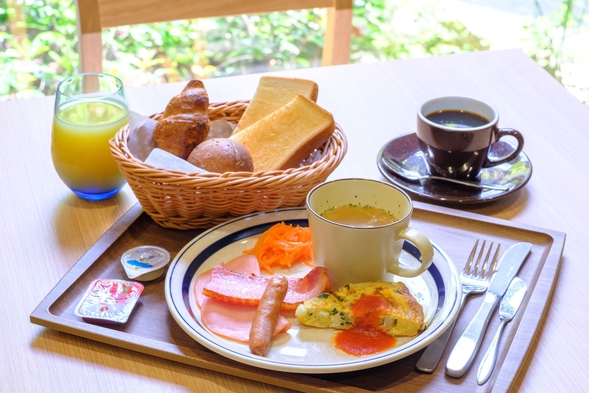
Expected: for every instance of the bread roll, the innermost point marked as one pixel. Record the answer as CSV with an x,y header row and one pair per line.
x,y
274,92
221,155
185,122
287,136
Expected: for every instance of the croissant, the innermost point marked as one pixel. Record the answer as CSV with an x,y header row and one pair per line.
x,y
185,122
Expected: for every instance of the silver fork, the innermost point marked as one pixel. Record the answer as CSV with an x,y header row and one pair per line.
x,y
475,279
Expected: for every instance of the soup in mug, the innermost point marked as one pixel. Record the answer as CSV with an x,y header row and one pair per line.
x,y
359,215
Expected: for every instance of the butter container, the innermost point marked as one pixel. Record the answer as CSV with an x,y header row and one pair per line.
x,y
109,301
145,263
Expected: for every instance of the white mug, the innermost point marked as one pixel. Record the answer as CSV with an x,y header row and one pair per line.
x,y
355,254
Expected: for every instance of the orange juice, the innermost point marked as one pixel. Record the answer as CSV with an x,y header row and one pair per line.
x,y
80,151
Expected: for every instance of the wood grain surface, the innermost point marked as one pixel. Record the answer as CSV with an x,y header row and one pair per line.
x,y
152,330
46,229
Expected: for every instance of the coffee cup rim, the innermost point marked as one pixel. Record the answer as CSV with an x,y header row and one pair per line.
x,y
311,210
458,99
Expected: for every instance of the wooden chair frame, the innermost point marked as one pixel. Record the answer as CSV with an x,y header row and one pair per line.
x,y
96,15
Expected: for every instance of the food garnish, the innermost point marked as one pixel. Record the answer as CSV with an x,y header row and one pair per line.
x,y
283,246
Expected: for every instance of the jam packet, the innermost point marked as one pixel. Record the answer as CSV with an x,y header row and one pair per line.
x,y
109,301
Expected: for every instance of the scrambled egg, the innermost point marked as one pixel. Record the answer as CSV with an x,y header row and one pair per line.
x,y
399,314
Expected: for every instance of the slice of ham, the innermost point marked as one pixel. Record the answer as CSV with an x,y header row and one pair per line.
x,y
237,288
234,321
244,264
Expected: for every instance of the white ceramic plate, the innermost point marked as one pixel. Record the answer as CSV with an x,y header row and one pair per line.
x,y
301,349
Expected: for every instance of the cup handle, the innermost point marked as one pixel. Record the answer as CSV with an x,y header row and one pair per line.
x,y
520,145
423,244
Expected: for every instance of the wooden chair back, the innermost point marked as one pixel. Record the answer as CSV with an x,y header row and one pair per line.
x,y
96,15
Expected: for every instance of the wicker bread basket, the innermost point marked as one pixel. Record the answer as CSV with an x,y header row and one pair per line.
x,y
183,200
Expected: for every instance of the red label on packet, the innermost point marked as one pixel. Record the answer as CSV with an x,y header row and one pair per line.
x,y
109,301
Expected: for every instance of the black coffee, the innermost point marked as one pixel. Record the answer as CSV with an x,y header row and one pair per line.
x,y
457,119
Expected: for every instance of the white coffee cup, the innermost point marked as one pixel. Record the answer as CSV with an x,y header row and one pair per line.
x,y
355,254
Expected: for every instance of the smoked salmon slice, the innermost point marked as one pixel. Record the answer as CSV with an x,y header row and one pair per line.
x,y
237,288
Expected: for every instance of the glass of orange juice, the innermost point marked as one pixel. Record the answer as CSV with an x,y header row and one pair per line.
x,y
89,109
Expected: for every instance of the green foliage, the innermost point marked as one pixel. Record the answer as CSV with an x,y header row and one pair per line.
x,y
400,29
550,34
32,65
3,12
182,50
33,62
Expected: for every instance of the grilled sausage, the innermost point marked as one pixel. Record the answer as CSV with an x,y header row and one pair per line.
x,y
266,315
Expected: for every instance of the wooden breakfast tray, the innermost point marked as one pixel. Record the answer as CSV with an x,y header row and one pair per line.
x,y
152,330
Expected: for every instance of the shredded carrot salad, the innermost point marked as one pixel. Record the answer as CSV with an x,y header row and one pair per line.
x,y
282,246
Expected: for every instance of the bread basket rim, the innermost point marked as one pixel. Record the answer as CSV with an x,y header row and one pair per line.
x,y
119,146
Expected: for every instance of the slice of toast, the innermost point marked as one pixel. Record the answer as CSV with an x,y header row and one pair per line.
x,y
287,136
274,92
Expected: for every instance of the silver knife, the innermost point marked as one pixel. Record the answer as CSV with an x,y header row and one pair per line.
x,y
468,344
507,309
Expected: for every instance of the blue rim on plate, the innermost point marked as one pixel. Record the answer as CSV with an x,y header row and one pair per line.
x,y
302,349
405,148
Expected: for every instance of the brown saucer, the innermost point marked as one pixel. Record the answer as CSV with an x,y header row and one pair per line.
x,y
405,148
